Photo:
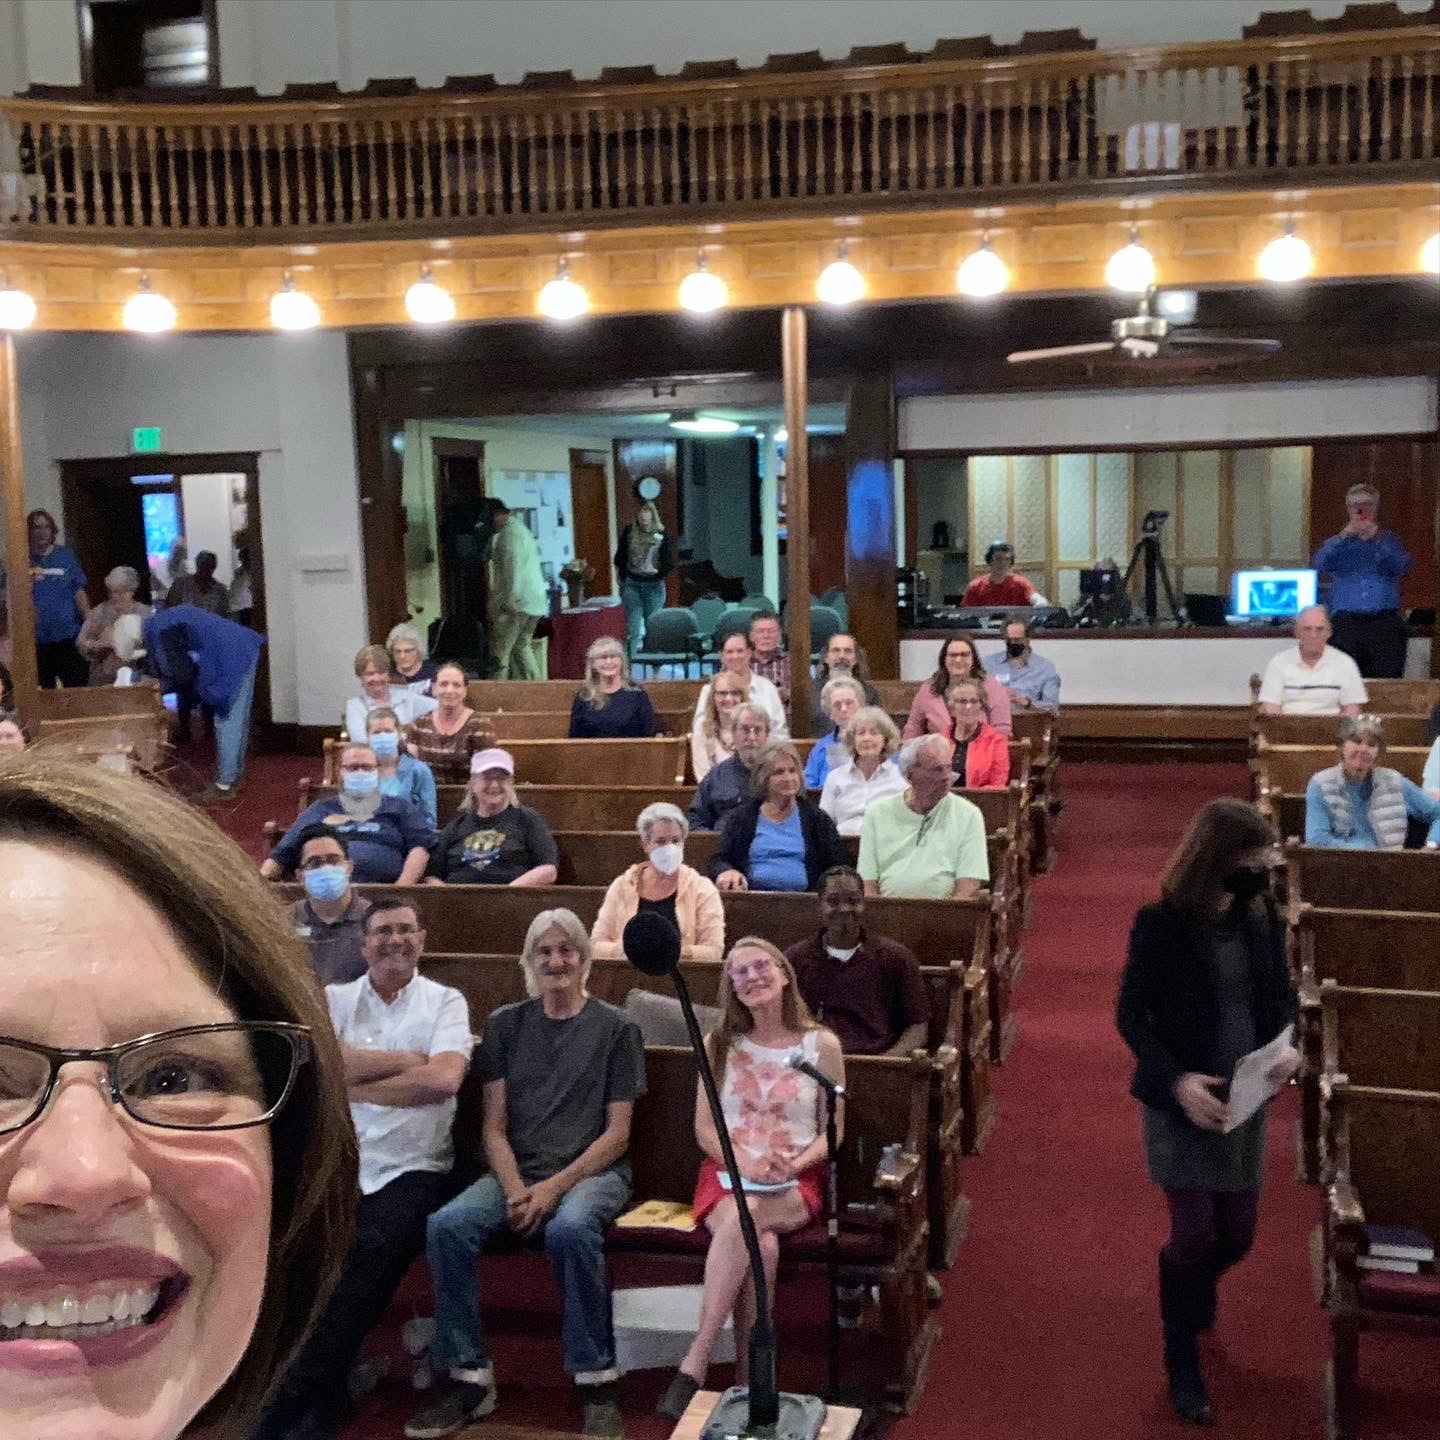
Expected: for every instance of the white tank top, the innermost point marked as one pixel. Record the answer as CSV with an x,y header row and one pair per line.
x,y
770,1109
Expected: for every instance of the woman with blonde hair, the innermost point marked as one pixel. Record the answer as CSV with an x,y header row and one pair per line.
x,y
871,741
372,670
712,733
776,1120
643,558
609,705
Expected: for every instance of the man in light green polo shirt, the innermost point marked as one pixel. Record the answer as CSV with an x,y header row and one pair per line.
x,y
926,843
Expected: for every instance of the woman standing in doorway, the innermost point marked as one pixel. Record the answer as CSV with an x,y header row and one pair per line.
x,y
643,559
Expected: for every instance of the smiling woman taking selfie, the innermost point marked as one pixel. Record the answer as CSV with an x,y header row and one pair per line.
x,y
177,1167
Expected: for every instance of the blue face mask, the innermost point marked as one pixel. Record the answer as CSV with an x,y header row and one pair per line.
x,y
325,883
360,783
386,745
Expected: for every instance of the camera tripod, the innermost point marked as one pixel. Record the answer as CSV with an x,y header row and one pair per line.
x,y
1148,553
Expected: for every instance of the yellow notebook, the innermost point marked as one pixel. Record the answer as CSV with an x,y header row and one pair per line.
x,y
659,1215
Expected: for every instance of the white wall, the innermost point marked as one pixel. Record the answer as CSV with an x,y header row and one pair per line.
x,y
287,397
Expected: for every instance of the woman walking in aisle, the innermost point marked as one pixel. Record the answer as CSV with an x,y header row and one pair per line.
x,y
1206,983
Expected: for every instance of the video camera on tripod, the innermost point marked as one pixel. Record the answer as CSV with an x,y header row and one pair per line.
x,y
1148,552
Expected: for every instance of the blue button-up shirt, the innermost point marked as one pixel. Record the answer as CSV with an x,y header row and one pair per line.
x,y
1366,573
1036,679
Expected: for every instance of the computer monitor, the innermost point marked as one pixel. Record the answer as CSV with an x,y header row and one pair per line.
x,y
1271,594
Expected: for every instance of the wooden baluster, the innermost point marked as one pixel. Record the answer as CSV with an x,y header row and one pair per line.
x,y
386,147
655,180
765,149
744,124
150,193
712,155
1365,109
988,177
782,133
727,173
195,149
1025,176
225,180
286,184
262,142
1427,109
412,186
551,191
603,122
833,123
1303,125
872,102
169,143
1285,90
943,163
347,148
132,139
534,184
892,180
1387,129
417,156
88,189
1405,138
107,159
914,180
852,180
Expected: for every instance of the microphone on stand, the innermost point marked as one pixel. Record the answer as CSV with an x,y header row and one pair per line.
x,y
652,945
798,1062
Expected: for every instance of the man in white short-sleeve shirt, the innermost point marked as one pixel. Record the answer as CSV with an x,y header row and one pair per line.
x,y
406,1042
1314,678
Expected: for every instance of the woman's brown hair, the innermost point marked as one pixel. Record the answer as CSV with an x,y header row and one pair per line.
x,y
940,681
238,938
736,1019
765,763
1218,834
371,657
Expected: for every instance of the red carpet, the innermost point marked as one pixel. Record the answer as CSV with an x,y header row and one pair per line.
x,y
1050,1321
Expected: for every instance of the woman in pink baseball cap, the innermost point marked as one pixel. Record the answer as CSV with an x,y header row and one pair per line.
x,y
493,839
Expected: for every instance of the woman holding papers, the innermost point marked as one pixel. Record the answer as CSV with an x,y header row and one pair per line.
x,y
1205,985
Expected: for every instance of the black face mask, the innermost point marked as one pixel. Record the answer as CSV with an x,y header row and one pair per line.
x,y
1246,883
1015,648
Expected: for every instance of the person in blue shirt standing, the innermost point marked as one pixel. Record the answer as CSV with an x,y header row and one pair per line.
x,y
1030,680
61,604
1361,805
1366,564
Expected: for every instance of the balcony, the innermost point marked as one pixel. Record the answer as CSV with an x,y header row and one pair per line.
x,y
717,144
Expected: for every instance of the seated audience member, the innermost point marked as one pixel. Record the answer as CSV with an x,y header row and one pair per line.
x,y
724,787
867,989
201,589
401,775
843,656
841,698
405,1041
981,758
409,665
869,772
96,640
372,669
1030,680
1361,805
493,839
959,660
925,843
609,706
12,733
770,661
1002,586
735,655
662,882
776,1120
562,1072
1430,776
331,917
451,734
389,840
1312,677
712,732
778,839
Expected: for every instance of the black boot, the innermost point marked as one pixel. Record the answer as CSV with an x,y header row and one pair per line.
x,y
1182,1296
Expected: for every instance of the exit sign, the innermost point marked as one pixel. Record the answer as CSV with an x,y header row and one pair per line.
x,y
147,440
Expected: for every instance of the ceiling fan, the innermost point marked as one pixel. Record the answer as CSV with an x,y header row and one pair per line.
x,y
1157,331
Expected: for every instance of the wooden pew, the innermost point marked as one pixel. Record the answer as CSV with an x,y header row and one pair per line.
x,y
511,725
1381,1145
142,738
1384,697
94,702
1382,1037
660,761
1285,770
1321,730
1363,879
496,696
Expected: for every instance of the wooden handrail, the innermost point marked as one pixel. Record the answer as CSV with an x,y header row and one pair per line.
x,y
1320,106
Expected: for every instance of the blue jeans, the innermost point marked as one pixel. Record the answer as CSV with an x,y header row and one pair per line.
x,y
232,730
460,1232
641,598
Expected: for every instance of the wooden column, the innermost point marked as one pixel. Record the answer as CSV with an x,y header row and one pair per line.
x,y
17,540
795,370
870,523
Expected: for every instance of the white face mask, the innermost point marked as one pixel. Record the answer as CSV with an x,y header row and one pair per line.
x,y
667,859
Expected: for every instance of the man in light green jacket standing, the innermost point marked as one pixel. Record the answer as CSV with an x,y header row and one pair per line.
x,y
517,597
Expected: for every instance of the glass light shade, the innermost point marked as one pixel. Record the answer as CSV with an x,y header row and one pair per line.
x,y
982,273
292,309
840,283
147,312
17,310
1285,258
427,303
702,292
1131,269
563,299
706,425
1429,256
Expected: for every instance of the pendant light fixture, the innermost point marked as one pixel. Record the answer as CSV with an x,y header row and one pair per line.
x,y
982,272
147,312
17,307
427,303
563,298
701,291
840,283
1286,258
1131,269
292,309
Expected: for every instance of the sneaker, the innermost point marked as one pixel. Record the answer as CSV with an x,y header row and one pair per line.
x,y
453,1411
214,795
602,1417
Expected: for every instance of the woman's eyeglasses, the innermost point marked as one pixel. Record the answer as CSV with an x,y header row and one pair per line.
x,y
227,1076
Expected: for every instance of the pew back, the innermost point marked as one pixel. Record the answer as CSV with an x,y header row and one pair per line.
x,y
141,736
1321,730
515,725
497,696
1383,1141
1377,949
1363,879
1288,768
1382,1037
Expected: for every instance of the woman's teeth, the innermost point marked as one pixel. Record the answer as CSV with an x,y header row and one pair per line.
x,y
68,1317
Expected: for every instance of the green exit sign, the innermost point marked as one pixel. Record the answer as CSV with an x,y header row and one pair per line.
x,y
147,440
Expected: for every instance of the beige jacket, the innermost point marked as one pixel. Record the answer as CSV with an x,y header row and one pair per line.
x,y
698,913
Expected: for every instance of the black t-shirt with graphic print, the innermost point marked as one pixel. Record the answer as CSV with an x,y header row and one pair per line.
x,y
492,849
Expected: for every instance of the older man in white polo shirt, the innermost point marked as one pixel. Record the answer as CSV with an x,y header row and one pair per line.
x,y
1314,678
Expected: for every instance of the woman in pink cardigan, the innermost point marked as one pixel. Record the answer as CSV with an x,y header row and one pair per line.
x,y
959,660
982,753
664,884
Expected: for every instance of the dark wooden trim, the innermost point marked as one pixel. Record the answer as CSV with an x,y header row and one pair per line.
x,y
1122,749
1159,447
870,543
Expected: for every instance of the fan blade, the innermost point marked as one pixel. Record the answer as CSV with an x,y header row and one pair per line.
x,y
1199,340
1058,352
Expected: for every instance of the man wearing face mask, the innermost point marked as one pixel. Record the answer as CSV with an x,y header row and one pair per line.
x,y
389,840
331,917
1030,680
663,883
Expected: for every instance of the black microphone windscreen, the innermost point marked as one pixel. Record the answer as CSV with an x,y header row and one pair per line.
x,y
651,943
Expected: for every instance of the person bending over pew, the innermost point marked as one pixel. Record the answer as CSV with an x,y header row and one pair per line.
x,y
372,670
662,883
389,839
401,775
493,839
728,784
406,1042
870,740
925,843
778,839
776,1120
840,698
867,989
452,733
609,706
981,758
959,660
12,733
331,917
1206,982
1361,805
562,1072
712,732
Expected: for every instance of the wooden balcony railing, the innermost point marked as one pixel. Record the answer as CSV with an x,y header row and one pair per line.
x,y
1317,109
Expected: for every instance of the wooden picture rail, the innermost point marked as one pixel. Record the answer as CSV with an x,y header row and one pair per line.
x,y
1293,109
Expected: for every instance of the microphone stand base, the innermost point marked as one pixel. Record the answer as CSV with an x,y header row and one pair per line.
x,y
802,1417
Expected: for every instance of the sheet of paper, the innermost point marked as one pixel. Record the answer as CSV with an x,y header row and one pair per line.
x,y
1249,1087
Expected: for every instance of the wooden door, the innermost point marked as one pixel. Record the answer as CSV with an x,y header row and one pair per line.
x,y
590,502
635,459
459,479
